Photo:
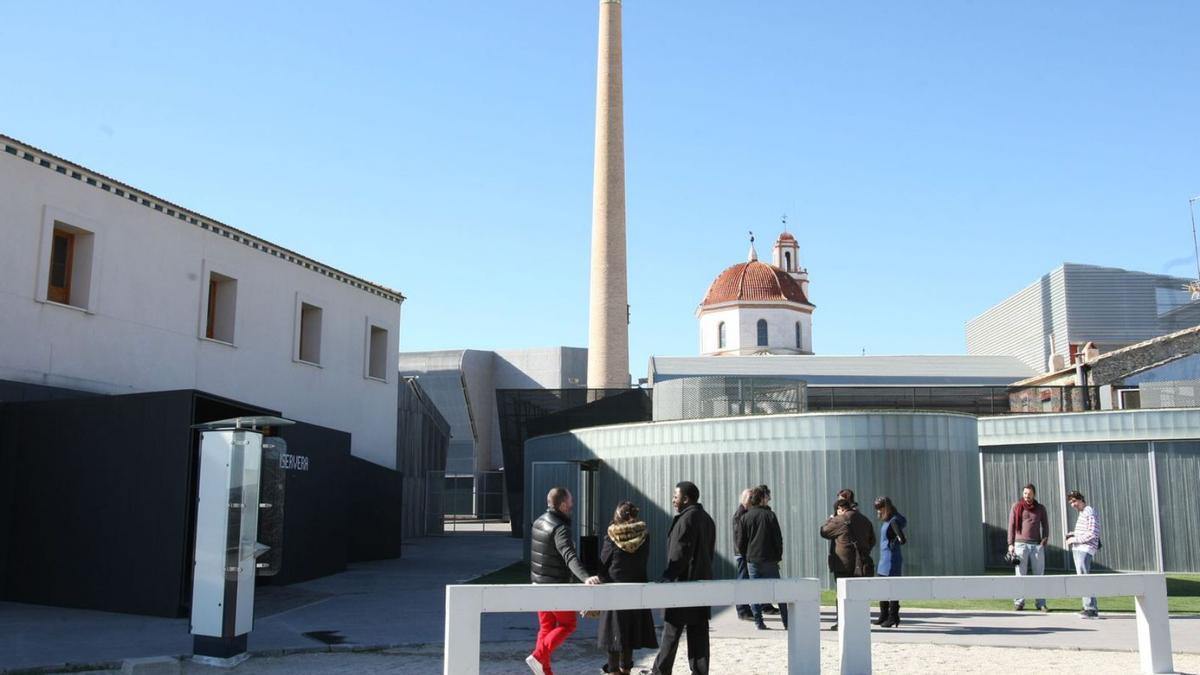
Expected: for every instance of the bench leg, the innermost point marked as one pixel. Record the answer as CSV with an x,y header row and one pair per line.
x,y
854,636
461,655
1154,629
804,638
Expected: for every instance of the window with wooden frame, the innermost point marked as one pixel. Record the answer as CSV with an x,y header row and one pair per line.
x,y
222,308
62,262
309,346
377,352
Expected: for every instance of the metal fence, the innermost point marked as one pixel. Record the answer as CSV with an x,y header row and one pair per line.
x,y
466,502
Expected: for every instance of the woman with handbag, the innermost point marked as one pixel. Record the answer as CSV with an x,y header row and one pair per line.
x,y
891,538
623,557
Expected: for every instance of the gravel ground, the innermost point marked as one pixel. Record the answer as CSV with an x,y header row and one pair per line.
x,y
738,656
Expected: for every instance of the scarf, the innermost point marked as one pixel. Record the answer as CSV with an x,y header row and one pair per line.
x,y
1022,507
629,537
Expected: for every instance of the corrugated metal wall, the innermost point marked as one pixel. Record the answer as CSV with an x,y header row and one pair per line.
x,y
1178,469
1006,471
1124,462
1018,325
1115,480
927,462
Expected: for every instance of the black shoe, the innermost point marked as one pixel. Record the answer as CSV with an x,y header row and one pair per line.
x,y
770,609
745,617
833,627
761,626
884,608
891,622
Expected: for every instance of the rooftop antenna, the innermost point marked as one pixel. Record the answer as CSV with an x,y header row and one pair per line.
x,y
1193,287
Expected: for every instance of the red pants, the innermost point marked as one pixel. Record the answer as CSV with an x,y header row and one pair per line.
x,y
553,629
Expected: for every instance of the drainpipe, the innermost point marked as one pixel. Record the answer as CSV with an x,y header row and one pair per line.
x,y
1081,380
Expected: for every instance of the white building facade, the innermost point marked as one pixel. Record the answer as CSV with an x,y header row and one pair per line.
x,y
107,289
756,308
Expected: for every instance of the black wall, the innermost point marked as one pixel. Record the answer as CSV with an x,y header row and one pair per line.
x,y
99,506
375,511
316,504
97,501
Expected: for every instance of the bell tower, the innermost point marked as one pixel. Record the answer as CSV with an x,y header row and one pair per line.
x,y
787,257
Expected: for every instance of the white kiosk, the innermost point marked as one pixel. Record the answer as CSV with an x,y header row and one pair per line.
x,y
227,515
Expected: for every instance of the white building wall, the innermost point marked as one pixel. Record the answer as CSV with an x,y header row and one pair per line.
x,y
143,327
741,326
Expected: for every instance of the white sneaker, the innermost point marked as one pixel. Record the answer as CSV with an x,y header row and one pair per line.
x,y
534,665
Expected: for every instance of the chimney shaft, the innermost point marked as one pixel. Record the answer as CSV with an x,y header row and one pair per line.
x,y
608,308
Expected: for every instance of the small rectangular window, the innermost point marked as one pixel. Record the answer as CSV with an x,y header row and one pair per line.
x,y
222,307
62,253
310,333
377,356
69,266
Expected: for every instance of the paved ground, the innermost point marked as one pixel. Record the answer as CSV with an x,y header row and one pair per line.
x,y
400,602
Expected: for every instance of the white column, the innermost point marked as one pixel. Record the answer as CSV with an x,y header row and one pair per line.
x,y
463,607
608,322
1154,628
804,637
854,633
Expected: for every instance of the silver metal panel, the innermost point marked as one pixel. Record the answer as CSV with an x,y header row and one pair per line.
x,y
544,475
1178,465
1079,303
927,462
1115,480
955,369
1006,471
1097,426
1017,326
212,527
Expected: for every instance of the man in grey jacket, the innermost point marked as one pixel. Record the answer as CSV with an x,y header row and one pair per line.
x,y
552,560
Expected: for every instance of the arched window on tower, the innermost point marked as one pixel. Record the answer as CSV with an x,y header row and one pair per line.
x,y
787,261
721,335
799,341
762,332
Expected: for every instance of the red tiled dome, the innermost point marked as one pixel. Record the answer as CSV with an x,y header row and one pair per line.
x,y
753,281
786,236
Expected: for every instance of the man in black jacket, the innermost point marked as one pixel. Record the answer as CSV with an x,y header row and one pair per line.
x,y
761,541
739,559
552,560
690,546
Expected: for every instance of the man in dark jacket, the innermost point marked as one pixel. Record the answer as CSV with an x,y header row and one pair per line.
x,y
744,612
690,548
552,560
761,541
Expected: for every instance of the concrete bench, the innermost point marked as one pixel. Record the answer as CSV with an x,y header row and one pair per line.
x,y
465,604
855,597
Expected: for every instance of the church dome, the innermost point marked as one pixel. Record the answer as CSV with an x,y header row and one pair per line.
x,y
786,236
753,280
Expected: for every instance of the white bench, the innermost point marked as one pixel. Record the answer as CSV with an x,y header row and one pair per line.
x,y
855,597
465,604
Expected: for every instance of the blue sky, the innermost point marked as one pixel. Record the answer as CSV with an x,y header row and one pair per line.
x,y
933,157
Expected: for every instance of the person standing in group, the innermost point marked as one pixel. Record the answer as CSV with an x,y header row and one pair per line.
x,y
623,556
1084,542
761,541
891,538
739,559
691,544
1028,531
852,537
553,560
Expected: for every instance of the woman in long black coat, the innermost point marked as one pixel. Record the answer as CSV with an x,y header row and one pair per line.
x,y
623,557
